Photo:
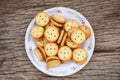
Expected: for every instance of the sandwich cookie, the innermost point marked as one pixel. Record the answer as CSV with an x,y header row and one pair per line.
x,y
40,53
64,39
53,61
61,36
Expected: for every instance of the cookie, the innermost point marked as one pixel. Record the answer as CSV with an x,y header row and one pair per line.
x,y
53,63
51,34
64,39
58,18
37,32
51,58
65,54
40,53
50,25
78,36
51,49
71,44
60,37
69,24
56,24
86,30
71,30
41,42
42,19
79,56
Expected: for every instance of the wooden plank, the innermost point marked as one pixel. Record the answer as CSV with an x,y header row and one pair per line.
x,y
101,66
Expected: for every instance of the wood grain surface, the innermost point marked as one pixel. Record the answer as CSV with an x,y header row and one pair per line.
x,y
104,16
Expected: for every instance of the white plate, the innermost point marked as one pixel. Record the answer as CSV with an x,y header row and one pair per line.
x,y
64,69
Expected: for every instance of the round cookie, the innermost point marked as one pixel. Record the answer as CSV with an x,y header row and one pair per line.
x,y
65,54
41,42
37,32
61,36
71,44
64,39
71,30
79,56
50,25
40,53
53,63
50,58
58,18
86,30
51,49
51,34
42,19
56,24
69,24
78,36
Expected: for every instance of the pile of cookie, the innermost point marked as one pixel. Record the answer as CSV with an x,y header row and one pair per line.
x,y
59,40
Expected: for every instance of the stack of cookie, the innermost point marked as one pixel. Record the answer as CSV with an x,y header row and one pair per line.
x,y
59,40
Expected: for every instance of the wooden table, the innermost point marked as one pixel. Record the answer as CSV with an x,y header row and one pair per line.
x,y
104,16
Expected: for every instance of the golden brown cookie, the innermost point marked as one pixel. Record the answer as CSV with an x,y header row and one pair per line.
x,y
50,58
58,18
41,42
51,34
78,36
53,63
79,56
42,19
69,24
51,49
61,36
40,53
37,32
65,54
71,44
56,24
50,25
64,39
86,30
71,30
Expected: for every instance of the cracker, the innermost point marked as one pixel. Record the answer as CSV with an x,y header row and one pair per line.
x,y
78,36
86,30
37,32
79,56
65,54
69,24
51,49
41,42
71,44
51,34
42,19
